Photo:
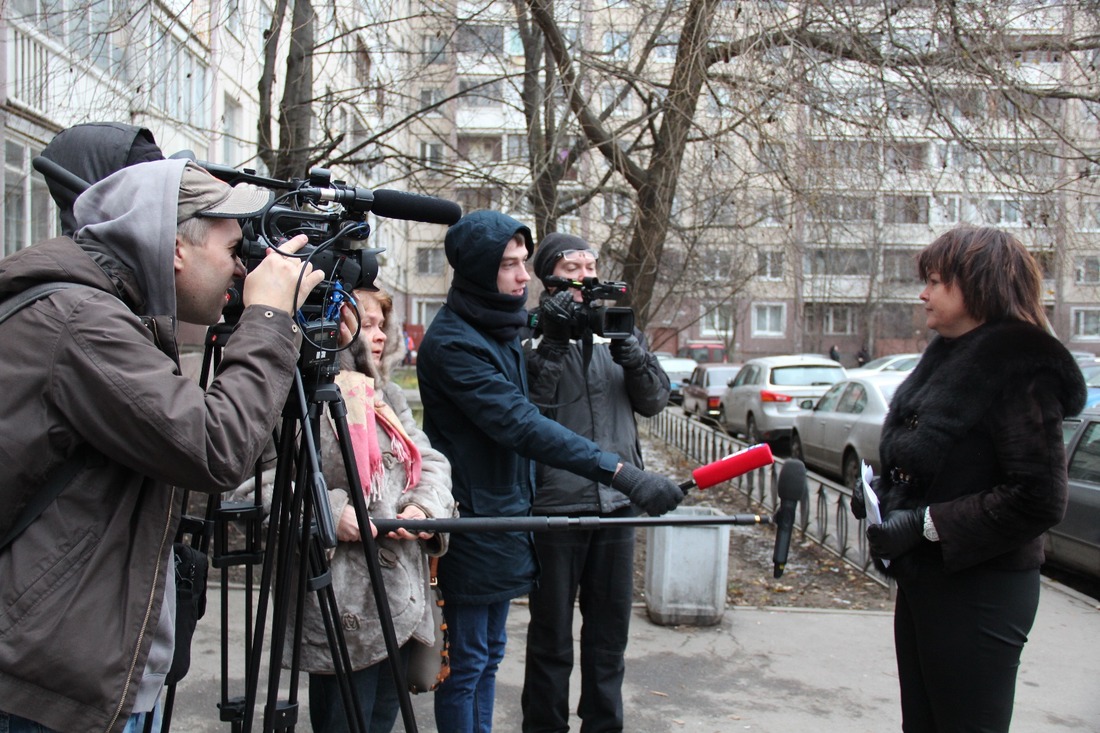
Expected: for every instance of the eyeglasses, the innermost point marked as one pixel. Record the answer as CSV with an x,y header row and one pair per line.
x,y
578,255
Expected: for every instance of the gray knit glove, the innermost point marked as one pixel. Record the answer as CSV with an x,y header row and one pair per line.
x,y
652,492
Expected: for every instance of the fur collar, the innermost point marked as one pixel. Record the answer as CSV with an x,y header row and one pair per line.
x,y
957,380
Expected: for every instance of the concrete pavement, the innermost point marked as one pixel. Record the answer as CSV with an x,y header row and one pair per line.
x,y
761,670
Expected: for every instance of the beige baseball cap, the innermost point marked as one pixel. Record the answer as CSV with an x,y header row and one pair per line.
x,y
201,194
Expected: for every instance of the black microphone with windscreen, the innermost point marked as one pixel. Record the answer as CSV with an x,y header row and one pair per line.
x,y
792,487
414,207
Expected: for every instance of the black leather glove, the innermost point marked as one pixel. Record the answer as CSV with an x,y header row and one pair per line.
x,y
628,353
899,533
652,492
556,317
859,502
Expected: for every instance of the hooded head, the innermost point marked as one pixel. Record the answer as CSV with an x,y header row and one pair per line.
x,y
128,223
92,152
475,245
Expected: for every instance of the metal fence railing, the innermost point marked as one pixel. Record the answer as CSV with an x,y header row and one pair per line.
x,y
824,513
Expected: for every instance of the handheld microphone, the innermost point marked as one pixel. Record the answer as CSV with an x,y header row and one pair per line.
x,y
792,487
732,466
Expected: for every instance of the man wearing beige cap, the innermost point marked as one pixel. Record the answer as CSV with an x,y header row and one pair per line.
x,y
96,414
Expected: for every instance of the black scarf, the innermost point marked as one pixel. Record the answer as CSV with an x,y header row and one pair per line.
x,y
500,316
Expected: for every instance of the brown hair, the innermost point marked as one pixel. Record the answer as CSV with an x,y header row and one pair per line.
x,y
384,300
998,277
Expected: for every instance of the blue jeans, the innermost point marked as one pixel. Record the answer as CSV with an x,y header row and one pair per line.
x,y
372,686
464,703
14,724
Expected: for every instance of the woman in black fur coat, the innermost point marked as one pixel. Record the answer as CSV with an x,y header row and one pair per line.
x,y
974,472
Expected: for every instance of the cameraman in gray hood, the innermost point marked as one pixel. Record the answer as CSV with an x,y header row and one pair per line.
x,y
94,399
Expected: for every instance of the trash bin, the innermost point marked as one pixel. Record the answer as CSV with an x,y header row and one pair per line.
x,y
686,569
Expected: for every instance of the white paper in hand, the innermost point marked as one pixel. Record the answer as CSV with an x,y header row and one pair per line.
x,y
870,499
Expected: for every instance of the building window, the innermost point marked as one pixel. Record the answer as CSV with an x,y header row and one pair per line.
x,y
480,148
231,131
844,208
717,321
426,311
429,261
1086,323
839,320
431,101
431,156
906,157
771,211
435,49
616,44
29,212
1090,216
517,147
479,92
665,48
479,39
837,261
899,265
905,209
1086,270
769,319
617,207
769,264
475,199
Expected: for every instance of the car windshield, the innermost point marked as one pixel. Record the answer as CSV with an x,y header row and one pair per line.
x,y
721,376
805,376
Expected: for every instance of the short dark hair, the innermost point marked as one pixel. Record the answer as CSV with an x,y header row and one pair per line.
x,y
998,277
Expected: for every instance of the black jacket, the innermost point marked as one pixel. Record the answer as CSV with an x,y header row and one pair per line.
x,y
599,403
978,428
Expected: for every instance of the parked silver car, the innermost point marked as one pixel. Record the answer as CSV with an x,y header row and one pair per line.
x,y
893,363
764,399
1075,542
844,427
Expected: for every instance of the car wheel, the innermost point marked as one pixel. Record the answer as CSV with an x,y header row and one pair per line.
x,y
751,431
722,421
687,412
796,447
852,473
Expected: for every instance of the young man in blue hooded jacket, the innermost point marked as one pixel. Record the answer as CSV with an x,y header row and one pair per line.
x,y
473,384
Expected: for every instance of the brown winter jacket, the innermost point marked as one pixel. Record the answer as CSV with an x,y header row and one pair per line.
x,y
81,589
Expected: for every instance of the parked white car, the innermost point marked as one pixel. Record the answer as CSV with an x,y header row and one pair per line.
x,y
679,371
899,363
763,400
845,426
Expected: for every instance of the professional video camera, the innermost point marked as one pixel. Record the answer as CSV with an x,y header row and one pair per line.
x,y
332,215
607,321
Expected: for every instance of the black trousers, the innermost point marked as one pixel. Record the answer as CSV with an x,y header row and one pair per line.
x,y
599,565
959,637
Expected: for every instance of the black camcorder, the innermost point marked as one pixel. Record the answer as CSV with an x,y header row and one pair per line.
x,y
611,322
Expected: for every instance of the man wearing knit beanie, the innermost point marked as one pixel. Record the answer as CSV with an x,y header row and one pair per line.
x,y
473,384
596,395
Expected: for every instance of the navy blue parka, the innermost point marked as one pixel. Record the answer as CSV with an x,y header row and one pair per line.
x,y
473,385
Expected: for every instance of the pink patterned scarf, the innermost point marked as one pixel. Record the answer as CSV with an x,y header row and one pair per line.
x,y
366,412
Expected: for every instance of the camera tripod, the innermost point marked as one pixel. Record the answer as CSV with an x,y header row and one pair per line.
x,y
299,535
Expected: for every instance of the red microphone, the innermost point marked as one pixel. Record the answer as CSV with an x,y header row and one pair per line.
x,y
732,466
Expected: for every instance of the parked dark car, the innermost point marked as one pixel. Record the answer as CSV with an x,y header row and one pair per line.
x,y
703,391
1075,542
